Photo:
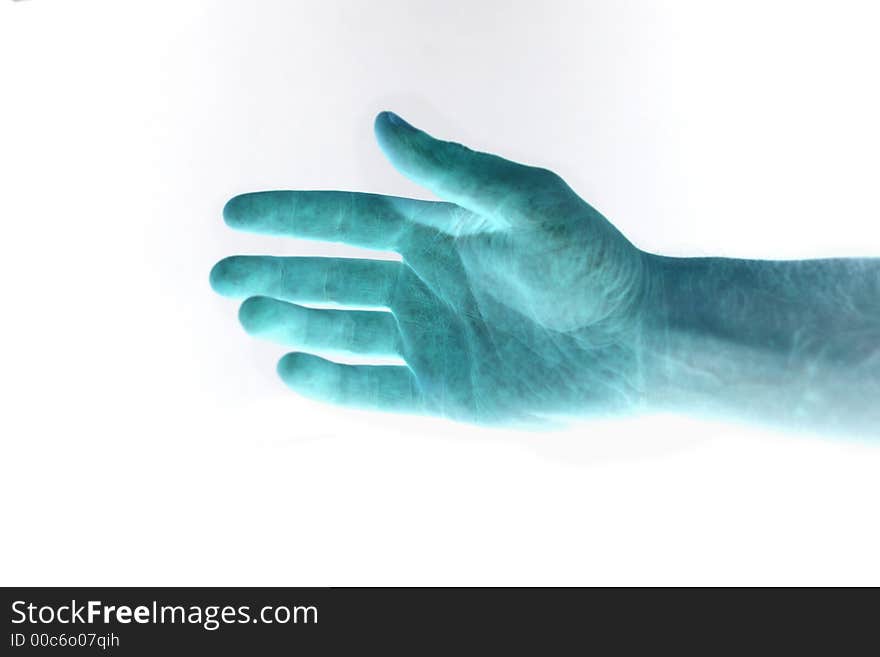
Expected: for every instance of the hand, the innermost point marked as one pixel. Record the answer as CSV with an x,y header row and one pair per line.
x,y
515,299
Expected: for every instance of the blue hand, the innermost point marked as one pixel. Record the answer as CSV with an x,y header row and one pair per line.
x,y
515,298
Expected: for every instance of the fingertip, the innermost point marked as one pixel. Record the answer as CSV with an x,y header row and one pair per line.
x,y
382,127
224,275
389,127
383,117
235,211
215,278
300,370
387,117
255,313
287,365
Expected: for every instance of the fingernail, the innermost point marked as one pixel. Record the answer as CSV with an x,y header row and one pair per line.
x,y
394,119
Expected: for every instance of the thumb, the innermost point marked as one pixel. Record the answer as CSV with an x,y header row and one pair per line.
x,y
502,192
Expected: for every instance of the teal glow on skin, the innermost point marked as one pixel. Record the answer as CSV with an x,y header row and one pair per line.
x,y
516,302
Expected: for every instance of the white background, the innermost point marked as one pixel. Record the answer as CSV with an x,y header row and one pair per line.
x,y
146,438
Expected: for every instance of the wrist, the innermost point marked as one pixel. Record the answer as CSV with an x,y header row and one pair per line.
x,y
787,343
700,352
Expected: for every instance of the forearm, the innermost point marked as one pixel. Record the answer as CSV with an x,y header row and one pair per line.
x,y
795,343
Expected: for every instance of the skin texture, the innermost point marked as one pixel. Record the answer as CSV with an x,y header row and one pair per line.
x,y
517,302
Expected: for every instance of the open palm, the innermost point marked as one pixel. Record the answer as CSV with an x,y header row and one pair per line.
x,y
515,298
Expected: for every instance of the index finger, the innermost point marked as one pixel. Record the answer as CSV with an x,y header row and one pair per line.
x,y
372,221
